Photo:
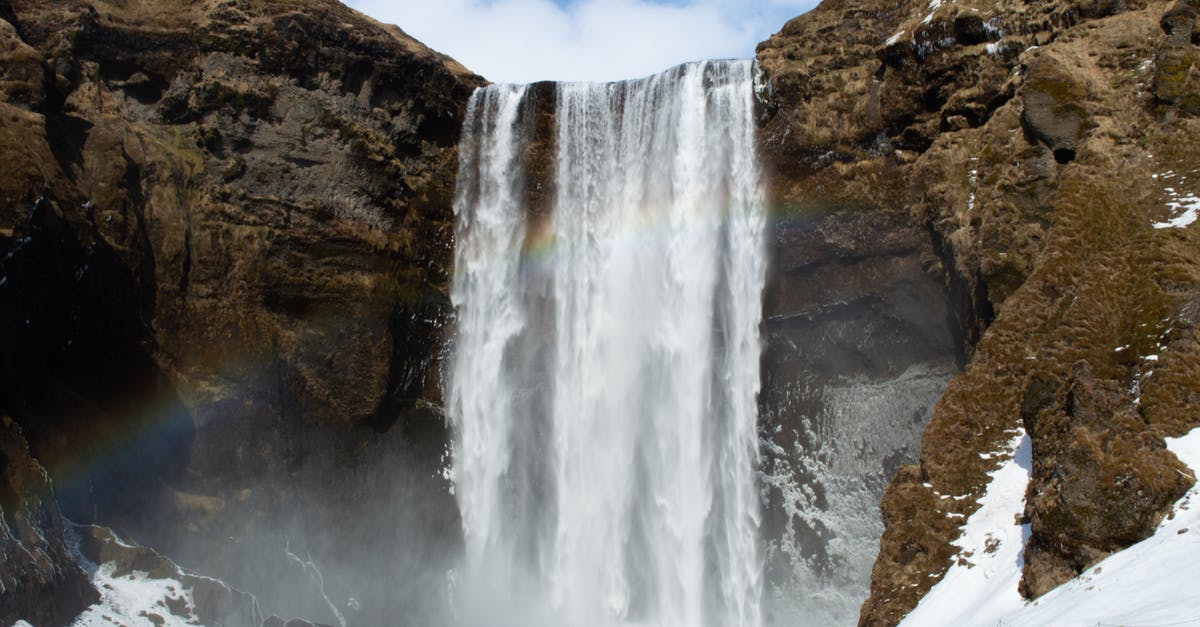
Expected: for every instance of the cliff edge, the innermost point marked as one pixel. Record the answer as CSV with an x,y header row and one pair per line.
x,y
1049,149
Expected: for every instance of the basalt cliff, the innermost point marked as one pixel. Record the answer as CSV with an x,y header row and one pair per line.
x,y
1047,150
224,236
225,243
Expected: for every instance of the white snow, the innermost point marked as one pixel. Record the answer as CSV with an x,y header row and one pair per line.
x,y
973,182
1189,205
1184,206
982,585
894,38
1150,583
131,600
934,5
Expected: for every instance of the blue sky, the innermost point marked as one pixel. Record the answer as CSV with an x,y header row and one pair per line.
x,y
584,40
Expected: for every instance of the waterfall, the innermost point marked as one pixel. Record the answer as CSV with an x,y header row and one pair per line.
x,y
606,364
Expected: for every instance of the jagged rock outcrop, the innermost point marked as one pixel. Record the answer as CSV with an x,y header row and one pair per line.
x,y
1100,482
39,580
225,231
1047,147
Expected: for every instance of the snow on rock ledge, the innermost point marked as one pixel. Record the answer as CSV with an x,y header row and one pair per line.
x,y
140,588
1149,583
982,585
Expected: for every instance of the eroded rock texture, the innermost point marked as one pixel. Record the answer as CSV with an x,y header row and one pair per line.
x,y
39,580
1039,143
225,228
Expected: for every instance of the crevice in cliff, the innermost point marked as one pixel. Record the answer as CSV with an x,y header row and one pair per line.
x,y
415,330
76,373
968,305
66,135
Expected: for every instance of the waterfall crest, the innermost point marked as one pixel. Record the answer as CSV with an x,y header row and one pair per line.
x,y
606,365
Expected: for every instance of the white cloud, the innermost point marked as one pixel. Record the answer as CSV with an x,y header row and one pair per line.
x,y
585,40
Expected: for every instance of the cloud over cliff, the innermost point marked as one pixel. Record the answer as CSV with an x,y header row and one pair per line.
x,y
585,40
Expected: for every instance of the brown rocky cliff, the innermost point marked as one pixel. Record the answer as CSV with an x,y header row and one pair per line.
x,y
225,231
1037,142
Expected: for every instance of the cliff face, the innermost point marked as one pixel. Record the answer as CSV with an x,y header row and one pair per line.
x,y
39,580
224,235
1049,151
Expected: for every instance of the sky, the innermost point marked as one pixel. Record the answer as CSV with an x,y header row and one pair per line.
x,y
522,41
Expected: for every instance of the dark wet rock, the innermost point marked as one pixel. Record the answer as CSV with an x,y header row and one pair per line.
x,y
39,580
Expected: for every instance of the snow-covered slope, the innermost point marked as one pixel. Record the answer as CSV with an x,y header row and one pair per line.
x,y
982,586
1153,582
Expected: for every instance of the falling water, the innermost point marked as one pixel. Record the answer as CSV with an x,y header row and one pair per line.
x,y
603,387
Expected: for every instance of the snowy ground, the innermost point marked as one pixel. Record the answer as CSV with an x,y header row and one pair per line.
x,y
132,600
982,586
135,600
1152,583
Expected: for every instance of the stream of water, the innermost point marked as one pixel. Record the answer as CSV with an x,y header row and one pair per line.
x,y
606,365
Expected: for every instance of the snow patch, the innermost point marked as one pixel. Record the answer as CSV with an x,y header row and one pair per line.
x,y
136,600
132,600
894,38
1149,583
934,5
1184,206
973,182
981,586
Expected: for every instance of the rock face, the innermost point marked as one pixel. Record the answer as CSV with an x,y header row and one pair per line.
x,y
224,235
859,342
1045,147
39,580
862,331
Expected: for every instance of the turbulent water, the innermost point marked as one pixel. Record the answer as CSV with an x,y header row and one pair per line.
x,y
603,386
